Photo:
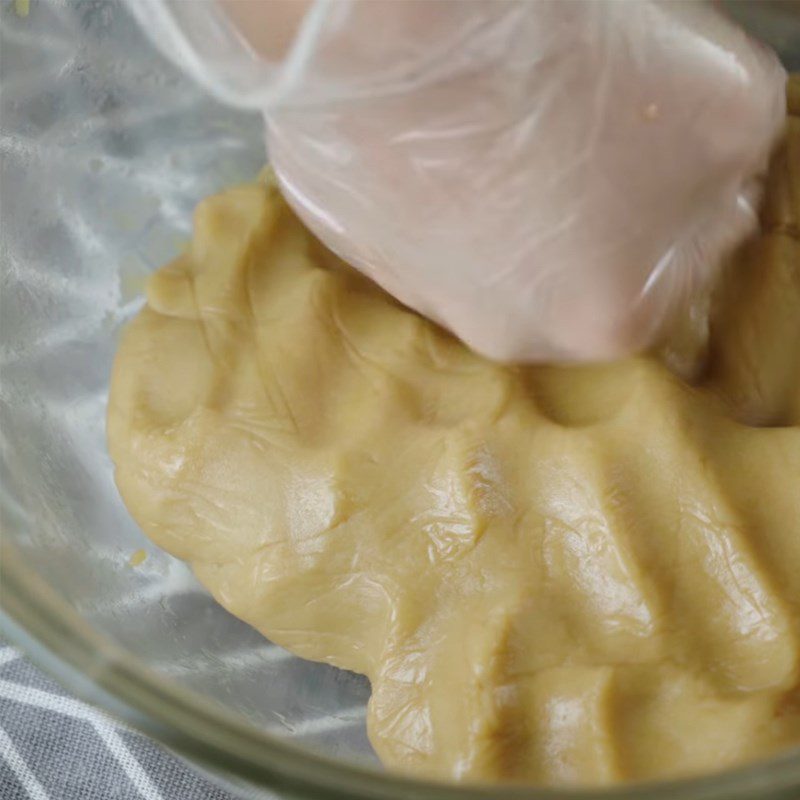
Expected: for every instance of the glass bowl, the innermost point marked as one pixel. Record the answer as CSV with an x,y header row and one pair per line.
x,y
105,150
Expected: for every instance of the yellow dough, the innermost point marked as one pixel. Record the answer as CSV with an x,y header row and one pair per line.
x,y
550,575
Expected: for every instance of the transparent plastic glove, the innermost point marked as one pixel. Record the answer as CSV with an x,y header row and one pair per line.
x,y
549,180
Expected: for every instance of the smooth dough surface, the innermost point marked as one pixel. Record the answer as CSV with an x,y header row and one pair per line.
x,y
550,575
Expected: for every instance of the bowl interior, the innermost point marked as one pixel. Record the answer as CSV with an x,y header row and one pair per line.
x,y
104,151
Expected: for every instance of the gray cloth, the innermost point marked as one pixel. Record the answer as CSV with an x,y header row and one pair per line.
x,y
54,747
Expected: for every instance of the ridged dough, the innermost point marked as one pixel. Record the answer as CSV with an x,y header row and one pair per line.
x,y
550,575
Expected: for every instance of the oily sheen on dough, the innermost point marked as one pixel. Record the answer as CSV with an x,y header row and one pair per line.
x,y
550,575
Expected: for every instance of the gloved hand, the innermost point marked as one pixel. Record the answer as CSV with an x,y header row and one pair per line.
x,y
549,180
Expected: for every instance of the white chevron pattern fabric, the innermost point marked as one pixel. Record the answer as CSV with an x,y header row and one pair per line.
x,y
54,747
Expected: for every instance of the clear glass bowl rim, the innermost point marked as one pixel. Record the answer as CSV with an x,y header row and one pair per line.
x,y
56,639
